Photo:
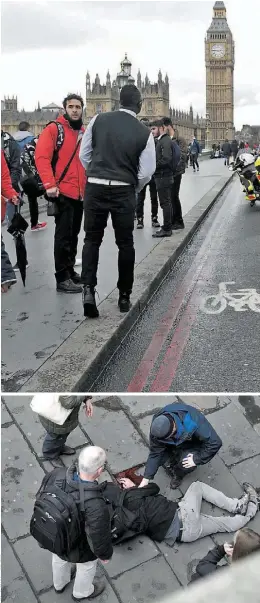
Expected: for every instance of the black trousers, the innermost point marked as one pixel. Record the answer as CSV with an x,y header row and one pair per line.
x,y
34,209
164,187
175,199
100,201
68,225
194,158
141,199
176,456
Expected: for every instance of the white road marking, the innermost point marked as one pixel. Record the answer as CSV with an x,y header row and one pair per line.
x,y
240,300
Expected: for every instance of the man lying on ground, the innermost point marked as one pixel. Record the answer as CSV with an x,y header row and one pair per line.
x,y
162,519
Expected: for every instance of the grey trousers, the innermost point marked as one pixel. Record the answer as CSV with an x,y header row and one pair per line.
x,y
85,573
197,525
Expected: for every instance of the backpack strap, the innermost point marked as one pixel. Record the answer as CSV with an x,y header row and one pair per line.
x,y
71,159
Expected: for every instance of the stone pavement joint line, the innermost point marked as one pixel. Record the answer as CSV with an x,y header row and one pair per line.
x,y
140,569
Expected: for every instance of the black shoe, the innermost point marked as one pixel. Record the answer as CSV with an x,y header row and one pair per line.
x,y
155,223
140,223
73,574
68,451
178,226
76,278
175,481
89,302
162,233
98,589
69,287
124,302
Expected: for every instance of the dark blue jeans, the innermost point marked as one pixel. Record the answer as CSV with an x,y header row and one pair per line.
x,y
53,445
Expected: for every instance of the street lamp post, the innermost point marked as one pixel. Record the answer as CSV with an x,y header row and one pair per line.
x,y
207,141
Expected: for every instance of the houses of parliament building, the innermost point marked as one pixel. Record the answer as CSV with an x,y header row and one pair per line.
x,y
218,122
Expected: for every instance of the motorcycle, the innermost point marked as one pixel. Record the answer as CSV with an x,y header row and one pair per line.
x,y
248,169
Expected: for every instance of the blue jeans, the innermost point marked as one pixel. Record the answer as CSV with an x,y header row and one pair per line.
x,y
53,445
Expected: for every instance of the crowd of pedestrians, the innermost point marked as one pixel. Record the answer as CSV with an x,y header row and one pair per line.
x,y
93,173
91,517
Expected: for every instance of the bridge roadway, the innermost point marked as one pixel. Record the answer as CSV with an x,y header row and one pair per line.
x,y
36,320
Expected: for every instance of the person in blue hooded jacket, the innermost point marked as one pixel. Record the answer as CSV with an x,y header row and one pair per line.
x,y
181,437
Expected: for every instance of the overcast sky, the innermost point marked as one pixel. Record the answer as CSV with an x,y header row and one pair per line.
x,y
47,48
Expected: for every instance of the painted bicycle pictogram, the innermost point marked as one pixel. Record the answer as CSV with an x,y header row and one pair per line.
x,y
240,300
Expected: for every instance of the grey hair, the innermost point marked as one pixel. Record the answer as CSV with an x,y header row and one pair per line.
x,y
91,459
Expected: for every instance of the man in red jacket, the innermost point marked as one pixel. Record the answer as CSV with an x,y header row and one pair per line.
x,y
67,193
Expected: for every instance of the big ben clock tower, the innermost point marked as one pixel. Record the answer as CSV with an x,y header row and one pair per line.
x,y
220,60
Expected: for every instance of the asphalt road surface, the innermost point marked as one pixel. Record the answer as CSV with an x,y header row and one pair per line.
x,y
36,320
198,333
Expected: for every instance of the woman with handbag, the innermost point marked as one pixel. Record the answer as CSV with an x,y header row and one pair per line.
x,y
63,413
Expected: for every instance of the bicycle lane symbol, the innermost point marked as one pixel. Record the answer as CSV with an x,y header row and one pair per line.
x,y
240,300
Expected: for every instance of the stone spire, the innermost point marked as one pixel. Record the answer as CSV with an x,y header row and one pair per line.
x,y
159,77
139,79
108,80
146,81
88,81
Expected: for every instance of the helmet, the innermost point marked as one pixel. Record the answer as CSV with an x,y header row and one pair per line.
x,y
246,159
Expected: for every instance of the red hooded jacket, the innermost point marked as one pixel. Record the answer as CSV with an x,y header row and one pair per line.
x,y
7,189
73,185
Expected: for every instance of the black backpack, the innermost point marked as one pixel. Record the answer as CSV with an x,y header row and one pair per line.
x,y
31,182
122,520
57,519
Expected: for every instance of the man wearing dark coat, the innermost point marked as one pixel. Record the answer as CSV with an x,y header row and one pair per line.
x,y
182,436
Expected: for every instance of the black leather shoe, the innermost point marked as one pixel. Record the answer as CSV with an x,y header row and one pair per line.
x,y
69,287
89,302
73,574
99,587
76,278
162,233
124,302
68,450
178,226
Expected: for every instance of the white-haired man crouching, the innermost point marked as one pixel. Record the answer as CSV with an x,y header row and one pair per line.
x,y
80,482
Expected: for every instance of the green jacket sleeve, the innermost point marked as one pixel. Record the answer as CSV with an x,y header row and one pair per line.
x,y
71,401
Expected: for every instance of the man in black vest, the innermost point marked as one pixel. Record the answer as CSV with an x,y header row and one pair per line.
x,y
118,153
163,175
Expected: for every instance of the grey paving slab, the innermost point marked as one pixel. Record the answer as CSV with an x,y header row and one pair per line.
x,y
108,596
115,433
21,478
206,403
130,554
150,581
240,440
5,417
217,475
139,405
36,562
145,425
183,558
248,471
14,585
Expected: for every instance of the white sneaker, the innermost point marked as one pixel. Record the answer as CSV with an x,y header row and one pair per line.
x,y
78,262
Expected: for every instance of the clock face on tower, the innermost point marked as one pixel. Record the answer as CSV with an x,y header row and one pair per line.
x,y
218,51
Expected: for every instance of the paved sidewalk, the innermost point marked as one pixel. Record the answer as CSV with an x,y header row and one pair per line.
x,y
36,321
141,570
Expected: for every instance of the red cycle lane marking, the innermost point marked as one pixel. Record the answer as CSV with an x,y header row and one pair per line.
x,y
170,362
146,365
139,380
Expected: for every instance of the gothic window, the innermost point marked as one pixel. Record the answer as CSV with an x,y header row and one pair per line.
x,y
99,108
150,107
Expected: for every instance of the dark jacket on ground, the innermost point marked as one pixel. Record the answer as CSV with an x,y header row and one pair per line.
x,y
12,155
209,563
97,520
118,139
154,512
164,162
226,148
234,147
195,429
183,160
71,422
